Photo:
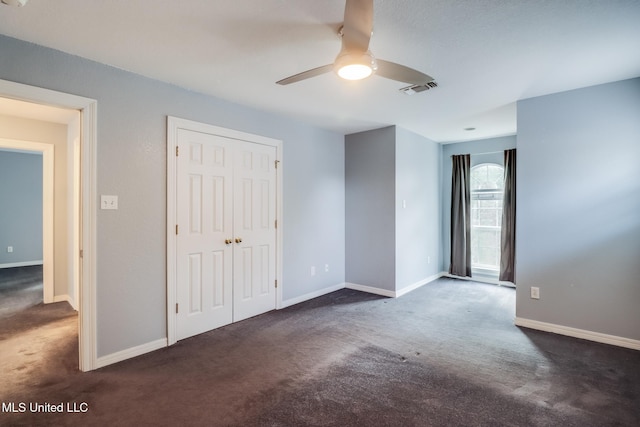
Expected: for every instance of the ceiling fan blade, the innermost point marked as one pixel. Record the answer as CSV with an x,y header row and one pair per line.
x,y
393,71
358,25
306,74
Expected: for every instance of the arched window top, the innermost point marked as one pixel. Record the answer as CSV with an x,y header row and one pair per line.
x,y
487,176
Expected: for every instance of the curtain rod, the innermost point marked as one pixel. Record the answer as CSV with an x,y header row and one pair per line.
x,y
488,152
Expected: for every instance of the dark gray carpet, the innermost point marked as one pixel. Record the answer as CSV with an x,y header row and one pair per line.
x,y
445,354
20,288
36,340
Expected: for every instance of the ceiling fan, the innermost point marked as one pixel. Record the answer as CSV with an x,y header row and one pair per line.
x,y
355,61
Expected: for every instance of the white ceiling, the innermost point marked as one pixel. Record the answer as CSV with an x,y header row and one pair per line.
x,y
484,54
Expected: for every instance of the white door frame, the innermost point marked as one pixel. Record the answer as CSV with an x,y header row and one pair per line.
x,y
48,166
88,141
173,124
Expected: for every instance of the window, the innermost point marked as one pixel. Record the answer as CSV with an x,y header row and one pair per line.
x,y
487,186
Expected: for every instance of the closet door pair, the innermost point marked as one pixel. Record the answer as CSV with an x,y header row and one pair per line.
x,y
226,231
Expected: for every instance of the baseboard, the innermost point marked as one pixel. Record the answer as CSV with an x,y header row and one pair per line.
x,y
370,290
479,279
362,288
312,295
21,264
393,294
578,333
130,353
65,298
418,284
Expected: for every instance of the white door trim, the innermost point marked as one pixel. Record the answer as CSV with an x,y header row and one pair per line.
x,y
48,165
173,124
88,140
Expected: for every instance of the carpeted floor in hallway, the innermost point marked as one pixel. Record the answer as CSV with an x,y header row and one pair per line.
x,y
34,338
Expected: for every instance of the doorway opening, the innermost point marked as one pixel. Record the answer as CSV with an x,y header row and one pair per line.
x,y
79,253
21,232
13,151
40,224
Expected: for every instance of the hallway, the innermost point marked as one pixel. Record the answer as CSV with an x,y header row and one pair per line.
x,y
34,338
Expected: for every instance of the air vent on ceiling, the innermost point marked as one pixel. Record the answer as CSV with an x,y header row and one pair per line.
x,y
410,90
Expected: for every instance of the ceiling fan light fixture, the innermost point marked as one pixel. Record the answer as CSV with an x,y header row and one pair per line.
x,y
355,66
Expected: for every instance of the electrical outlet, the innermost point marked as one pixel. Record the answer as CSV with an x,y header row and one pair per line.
x,y
9,249
313,270
428,260
326,268
108,202
535,292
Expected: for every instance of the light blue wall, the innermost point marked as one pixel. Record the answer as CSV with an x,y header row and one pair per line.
x,y
132,114
20,207
482,151
418,224
370,208
578,223
314,221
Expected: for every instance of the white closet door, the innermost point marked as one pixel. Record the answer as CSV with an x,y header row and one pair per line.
x,y
254,258
204,267
226,241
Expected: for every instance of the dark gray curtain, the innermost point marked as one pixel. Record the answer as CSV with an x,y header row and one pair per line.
x,y
460,216
508,232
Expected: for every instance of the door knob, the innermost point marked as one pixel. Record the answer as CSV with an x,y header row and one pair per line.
x,y
238,240
227,241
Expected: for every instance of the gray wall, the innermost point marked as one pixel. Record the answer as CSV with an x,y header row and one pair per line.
x,y
418,224
20,207
370,208
489,150
389,246
578,226
132,111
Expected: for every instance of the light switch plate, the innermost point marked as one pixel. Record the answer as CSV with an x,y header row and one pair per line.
x,y
108,202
